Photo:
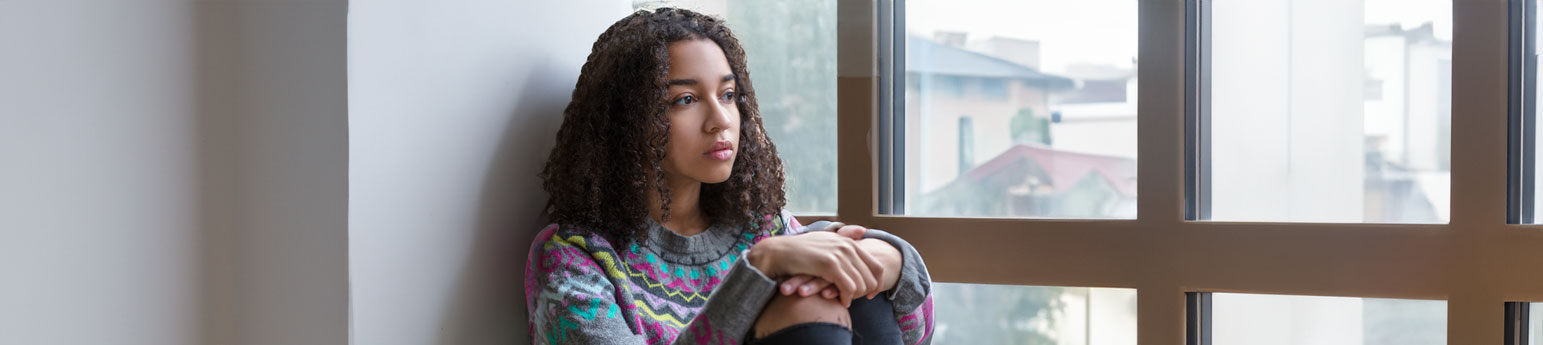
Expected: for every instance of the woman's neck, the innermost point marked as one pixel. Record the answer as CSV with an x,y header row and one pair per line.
x,y
686,218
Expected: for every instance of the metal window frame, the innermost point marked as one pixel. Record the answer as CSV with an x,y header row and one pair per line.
x,y
1517,322
1197,316
1197,122
1521,111
891,147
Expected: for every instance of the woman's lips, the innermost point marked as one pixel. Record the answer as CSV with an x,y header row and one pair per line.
x,y
721,155
721,150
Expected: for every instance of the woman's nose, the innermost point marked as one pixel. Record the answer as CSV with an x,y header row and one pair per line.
x,y
718,119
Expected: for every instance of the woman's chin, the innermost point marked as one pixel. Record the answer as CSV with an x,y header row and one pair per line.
x,y
717,177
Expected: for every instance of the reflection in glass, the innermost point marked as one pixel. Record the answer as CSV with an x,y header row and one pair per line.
x,y
1252,319
1020,108
1033,315
1330,110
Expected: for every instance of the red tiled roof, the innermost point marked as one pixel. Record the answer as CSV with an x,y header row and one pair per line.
x,y
1064,167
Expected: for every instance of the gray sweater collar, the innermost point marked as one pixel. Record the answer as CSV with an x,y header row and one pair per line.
x,y
709,245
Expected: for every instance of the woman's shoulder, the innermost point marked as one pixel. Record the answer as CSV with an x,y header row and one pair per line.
x,y
558,236
562,248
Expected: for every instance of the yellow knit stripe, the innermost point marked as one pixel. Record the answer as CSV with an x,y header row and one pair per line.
x,y
656,316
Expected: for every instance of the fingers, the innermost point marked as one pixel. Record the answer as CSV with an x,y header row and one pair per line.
x,y
814,286
830,292
789,286
856,263
875,268
854,232
846,278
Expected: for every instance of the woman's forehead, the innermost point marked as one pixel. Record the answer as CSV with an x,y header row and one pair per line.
x,y
700,60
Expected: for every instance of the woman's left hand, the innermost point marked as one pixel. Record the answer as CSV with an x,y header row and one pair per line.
x,y
887,255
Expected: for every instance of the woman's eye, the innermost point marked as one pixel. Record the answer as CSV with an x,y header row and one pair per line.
x,y
727,96
684,100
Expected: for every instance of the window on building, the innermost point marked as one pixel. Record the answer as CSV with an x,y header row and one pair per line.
x,y
966,143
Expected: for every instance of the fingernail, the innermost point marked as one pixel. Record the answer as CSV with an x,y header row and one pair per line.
x,y
807,289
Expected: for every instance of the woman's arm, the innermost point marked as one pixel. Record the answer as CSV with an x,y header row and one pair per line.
x,y
569,297
904,280
732,307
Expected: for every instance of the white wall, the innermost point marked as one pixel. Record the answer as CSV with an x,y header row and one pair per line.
x,y
453,108
172,172
289,204
99,218
179,172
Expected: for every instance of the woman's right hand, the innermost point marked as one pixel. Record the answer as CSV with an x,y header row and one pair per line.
x,y
824,254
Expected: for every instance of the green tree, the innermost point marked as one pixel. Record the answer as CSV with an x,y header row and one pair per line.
x,y
1027,128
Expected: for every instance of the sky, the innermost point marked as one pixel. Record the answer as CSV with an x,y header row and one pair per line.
x,y
1104,31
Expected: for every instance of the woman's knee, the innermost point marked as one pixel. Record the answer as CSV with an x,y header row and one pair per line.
x,y
784,311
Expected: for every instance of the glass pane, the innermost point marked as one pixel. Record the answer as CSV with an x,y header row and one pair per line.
x,y
1020,108
790,46
1033,315
1535,324
1330,110
1250,319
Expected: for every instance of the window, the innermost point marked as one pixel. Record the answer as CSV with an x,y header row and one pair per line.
x,y
791,50
1237,319
1422,145
1010,65
1033,315
1326,111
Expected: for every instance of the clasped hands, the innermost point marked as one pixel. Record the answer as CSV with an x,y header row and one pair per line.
x,y
839,264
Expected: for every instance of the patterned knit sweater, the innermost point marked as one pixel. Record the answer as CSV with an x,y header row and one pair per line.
x,y
580,289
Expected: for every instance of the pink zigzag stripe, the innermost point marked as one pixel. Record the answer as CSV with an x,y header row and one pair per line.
x,y
926,310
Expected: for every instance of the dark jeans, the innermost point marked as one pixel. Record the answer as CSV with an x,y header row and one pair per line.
x,y
873,323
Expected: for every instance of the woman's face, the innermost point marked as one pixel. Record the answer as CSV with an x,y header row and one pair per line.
x,y
703,113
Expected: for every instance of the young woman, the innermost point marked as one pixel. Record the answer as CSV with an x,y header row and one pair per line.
x,y
667,200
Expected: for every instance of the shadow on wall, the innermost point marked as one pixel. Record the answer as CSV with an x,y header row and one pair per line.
x,y
490,296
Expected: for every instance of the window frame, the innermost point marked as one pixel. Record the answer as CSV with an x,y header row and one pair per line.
x,y
1476,262
1521,112
1517,323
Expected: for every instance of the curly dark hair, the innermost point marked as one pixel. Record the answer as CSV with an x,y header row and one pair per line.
x,y
614,133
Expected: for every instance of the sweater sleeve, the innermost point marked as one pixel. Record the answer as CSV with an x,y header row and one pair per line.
x,y
732,308
570,300
912,295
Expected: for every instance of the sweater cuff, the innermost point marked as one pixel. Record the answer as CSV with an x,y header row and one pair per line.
x,y
914,284
733,307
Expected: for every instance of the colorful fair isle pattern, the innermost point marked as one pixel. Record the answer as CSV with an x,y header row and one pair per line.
x,y
581,290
